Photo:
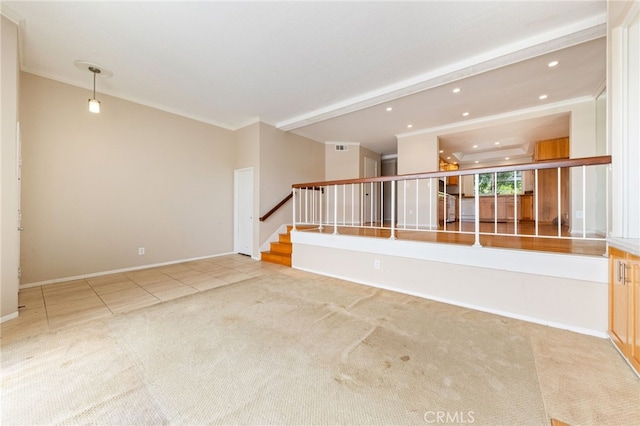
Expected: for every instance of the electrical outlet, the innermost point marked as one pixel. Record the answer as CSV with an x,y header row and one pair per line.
x,y
376,264
141,251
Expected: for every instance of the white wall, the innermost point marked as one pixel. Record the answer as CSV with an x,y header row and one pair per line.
x,y
342,164
285,159
418,153
247,155
9,235
96,187
564,291
623,106
584,143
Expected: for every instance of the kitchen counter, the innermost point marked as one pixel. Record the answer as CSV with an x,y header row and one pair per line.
x,y
630,245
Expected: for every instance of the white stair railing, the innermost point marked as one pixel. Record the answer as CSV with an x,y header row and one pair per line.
x,y
424,203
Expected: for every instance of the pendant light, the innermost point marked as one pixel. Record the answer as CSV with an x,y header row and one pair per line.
x,y
96,70
94,104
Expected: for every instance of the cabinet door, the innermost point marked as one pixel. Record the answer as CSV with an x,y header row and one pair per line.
x,y
487,210
501,209
618,300
634,271
526,207
511,209
552,149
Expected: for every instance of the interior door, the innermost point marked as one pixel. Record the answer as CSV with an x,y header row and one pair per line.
x,y
243,211
19,189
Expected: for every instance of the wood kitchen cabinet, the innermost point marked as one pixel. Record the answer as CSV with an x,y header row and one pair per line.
x,y
526,207
503,211
552,149
624,304
444,166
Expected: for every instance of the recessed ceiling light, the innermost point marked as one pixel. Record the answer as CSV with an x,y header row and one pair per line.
x,y
409,125
475,146
448,158
464,114
389,109
552,64
542,97
441,151
496,143
455,162
456,90
506,158
476,161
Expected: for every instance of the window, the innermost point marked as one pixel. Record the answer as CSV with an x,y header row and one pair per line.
x,y
504,183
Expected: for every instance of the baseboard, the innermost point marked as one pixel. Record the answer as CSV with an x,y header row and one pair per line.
x,y
624,357
561,326
118,271
9,317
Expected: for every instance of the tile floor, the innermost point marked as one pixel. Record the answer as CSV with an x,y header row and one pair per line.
x,y
48,307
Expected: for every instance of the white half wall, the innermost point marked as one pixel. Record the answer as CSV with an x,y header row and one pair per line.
x,y
562,291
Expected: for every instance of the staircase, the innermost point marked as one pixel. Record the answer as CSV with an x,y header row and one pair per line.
x,y
279,252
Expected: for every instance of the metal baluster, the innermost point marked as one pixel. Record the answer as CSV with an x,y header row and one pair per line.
x,y
584,201
382,204
335,209
495,203
535,196
344,204
417,204
515,203
477,209
371,205
559,203
393,210
404,204
294,209
322,191
353,206
444,205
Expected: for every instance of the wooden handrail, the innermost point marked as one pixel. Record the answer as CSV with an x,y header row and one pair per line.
x,y
277,206
550,164
284,201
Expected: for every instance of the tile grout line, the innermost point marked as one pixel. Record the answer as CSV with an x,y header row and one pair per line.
x,y
46,310
96,293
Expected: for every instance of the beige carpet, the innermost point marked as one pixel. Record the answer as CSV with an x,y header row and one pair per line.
x,y
295,348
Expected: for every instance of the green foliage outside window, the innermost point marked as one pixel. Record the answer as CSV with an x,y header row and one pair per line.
x,y
504,183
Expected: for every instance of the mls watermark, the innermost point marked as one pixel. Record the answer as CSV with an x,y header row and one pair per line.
x,y
444,417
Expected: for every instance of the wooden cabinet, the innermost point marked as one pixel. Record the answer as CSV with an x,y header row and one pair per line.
x,y
487,209
444,166
526,207
552,149
624,304
502,211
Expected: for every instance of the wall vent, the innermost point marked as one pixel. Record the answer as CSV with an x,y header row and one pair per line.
x,y
342,147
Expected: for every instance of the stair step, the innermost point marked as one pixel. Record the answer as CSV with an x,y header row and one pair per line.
x,y
284,238
280,252
282,248
279,258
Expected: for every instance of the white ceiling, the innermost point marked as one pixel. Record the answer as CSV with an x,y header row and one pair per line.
x,y
327,70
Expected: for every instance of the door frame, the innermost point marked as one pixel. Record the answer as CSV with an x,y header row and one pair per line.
x,y
237,192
